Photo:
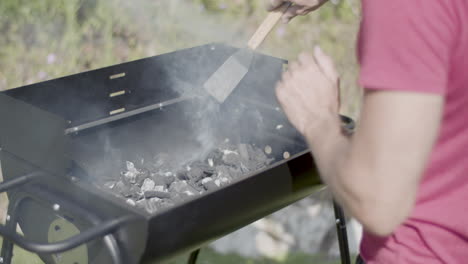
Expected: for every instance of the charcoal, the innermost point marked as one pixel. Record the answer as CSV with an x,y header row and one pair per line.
x,y
178,187
182,175
244,151
216,156
125,190
211,186
131,167
131,202
141,204
206,180
195,186
165,204
159,180
161,183
161,195
130,176
160,188
142,176
132,192
148,185
204,166
224,181
231,158
228,172
169,179
209,172
181,197
152,205
195,174
109,184
223,171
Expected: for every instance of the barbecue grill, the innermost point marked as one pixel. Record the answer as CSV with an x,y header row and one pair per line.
x,y
62,142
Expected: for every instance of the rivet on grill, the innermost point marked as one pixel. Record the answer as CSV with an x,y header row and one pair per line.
x,y
8,217
338,221
1,260
286,155
56,207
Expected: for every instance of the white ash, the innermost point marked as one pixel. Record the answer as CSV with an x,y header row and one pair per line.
x,y
159,184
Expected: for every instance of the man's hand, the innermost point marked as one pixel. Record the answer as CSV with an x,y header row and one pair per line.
x,y
299,8
309,94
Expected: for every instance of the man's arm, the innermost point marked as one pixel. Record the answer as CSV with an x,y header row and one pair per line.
x,y
375,174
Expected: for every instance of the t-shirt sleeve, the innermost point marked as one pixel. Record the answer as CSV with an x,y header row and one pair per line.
x,y
405,45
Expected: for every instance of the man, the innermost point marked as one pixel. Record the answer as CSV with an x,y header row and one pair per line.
x,y
404,173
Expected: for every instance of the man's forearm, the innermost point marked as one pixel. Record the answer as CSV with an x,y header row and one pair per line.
x,y
330,151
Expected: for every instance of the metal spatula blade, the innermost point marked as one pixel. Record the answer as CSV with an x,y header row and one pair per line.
x,y
227,77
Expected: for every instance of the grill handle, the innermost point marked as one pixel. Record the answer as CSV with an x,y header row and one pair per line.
x,y
93,233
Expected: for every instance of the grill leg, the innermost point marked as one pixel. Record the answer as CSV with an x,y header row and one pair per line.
x,y
7,245
193,257
342,234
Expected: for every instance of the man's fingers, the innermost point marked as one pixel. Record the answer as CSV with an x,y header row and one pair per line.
x,y
290,13
325,64
294,66
273,4
307,60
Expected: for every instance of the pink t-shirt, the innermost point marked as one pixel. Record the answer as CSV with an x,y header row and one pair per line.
x,y
422,46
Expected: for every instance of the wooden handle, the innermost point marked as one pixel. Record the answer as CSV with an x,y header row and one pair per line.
x,y
268,24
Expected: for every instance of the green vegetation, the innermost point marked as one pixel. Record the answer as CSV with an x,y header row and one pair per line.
x,y
47,39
